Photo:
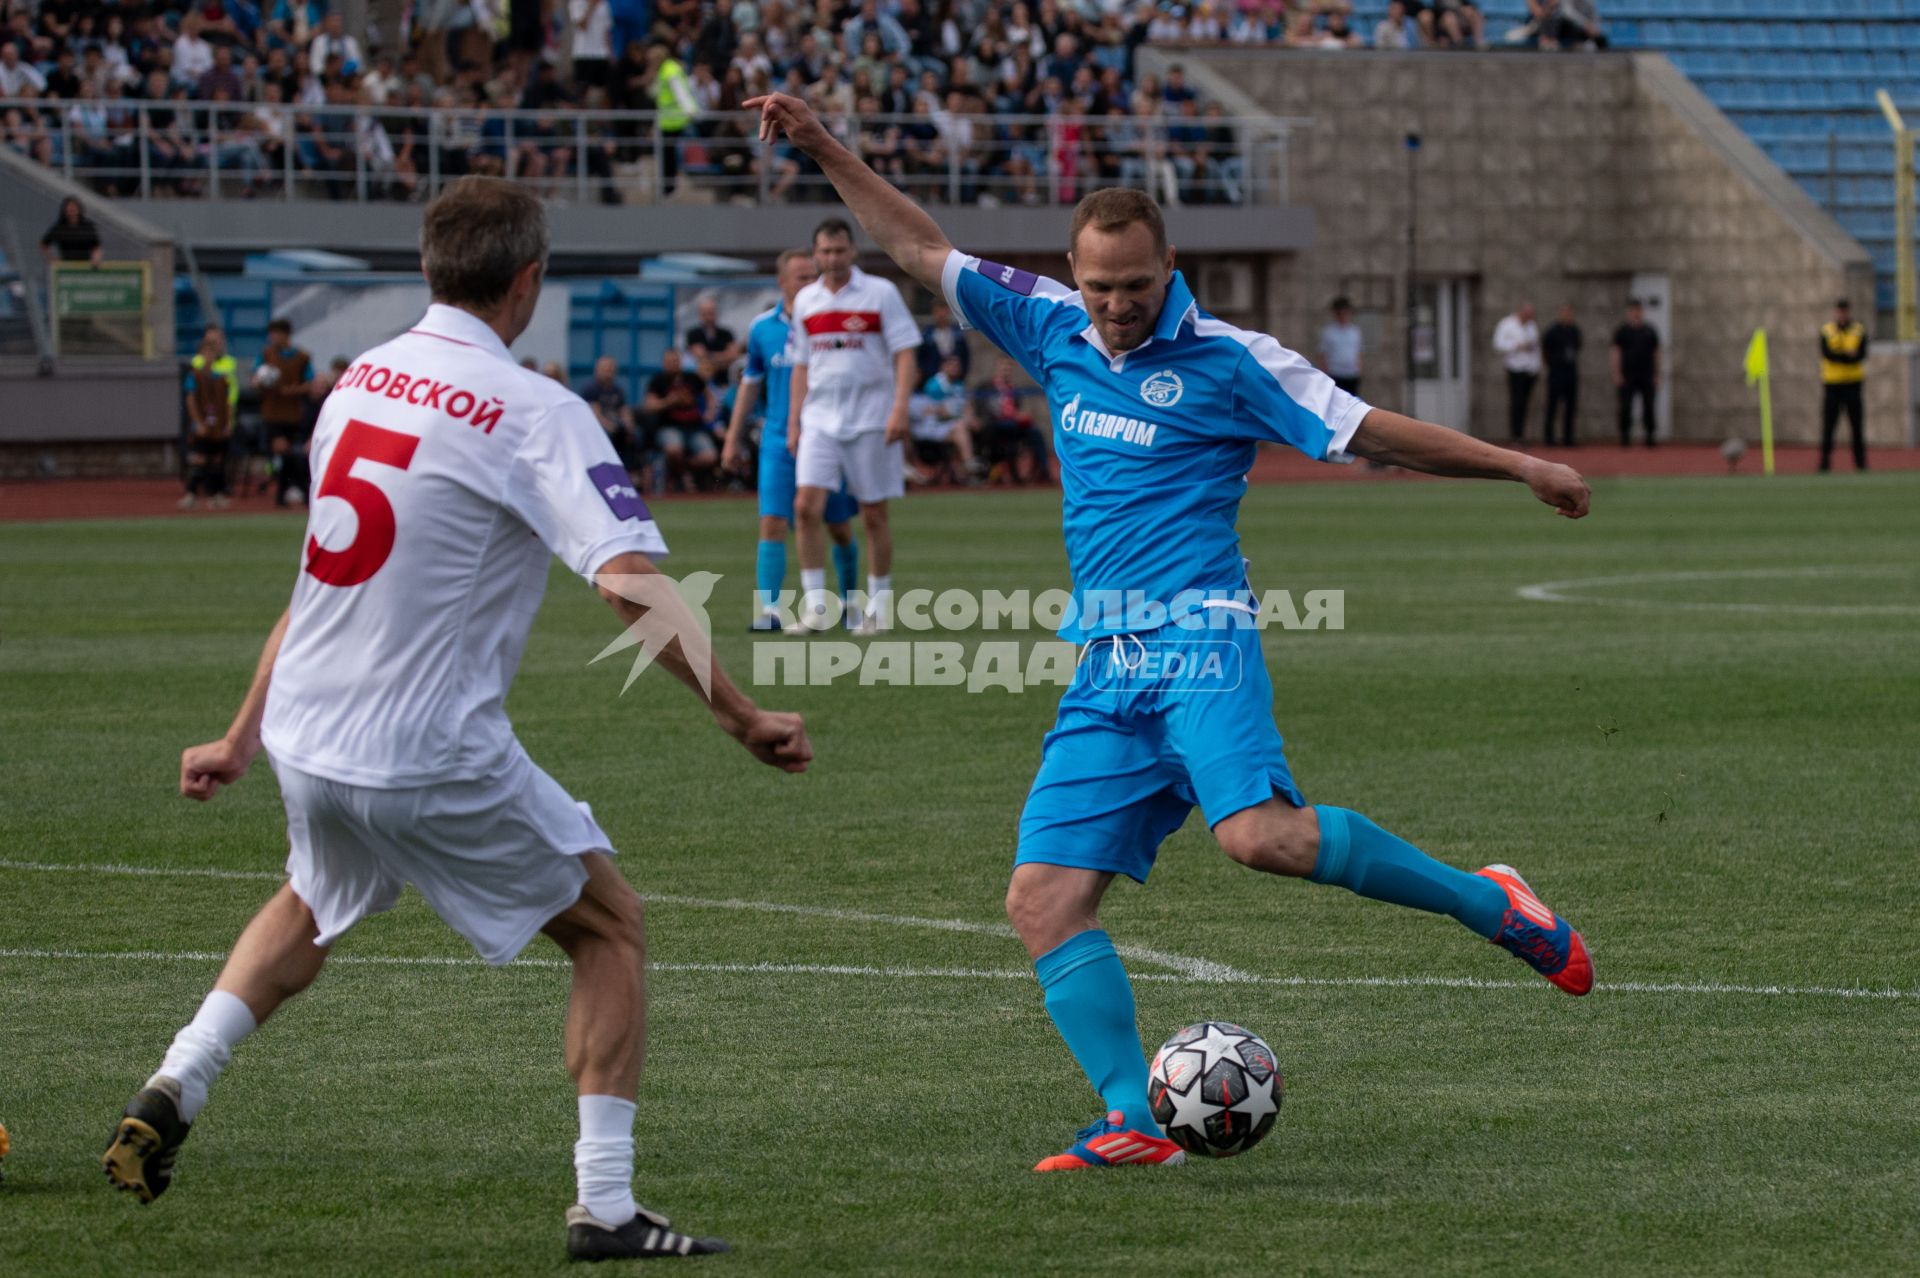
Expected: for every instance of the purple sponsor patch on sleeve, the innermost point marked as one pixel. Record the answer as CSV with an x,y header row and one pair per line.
x,y
622,498
1009,277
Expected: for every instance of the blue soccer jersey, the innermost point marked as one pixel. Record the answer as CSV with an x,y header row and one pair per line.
x,y
767,363
1154,443
770,364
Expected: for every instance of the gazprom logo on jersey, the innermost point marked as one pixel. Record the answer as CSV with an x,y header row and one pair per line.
x,y
617,490
1163,389
1107,425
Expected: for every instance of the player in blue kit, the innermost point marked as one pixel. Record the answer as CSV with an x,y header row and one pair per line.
x,y
769,366
1159,409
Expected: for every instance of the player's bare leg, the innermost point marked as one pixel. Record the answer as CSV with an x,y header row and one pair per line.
x,y
604,933
810,534
879,613
1336,845
274,959
1055,909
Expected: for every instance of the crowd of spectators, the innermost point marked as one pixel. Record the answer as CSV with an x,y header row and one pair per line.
x,y
244,92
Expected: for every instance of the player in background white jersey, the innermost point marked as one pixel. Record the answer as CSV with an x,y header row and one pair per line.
x,y
448,476
855,368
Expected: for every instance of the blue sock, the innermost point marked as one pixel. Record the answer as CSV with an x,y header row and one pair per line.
x,y
769,572
1091,1004
846,566
1366,860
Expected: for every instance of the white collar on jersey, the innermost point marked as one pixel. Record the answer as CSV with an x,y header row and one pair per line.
x,y
464,327
855,275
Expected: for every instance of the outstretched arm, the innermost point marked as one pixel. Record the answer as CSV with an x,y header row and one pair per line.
x,y
1397,440
205,768
900,227
639,593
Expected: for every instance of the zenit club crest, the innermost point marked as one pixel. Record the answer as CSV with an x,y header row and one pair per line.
x,y
1163,389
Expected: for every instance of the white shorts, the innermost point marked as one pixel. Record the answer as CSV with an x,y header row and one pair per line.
x,y
871,468
932,430
496,858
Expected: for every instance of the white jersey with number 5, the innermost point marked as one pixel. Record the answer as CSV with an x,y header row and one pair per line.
x,y
446,475
847,341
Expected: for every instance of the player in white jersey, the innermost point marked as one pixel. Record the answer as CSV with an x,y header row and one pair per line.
x,y
854,373
448,476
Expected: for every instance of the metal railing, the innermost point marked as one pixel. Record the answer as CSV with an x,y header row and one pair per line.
x,y
167,149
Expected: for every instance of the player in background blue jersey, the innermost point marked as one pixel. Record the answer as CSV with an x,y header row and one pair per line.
x,y
1159,409
768,365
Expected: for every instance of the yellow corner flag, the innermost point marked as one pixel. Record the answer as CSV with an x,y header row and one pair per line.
x,y
1759,374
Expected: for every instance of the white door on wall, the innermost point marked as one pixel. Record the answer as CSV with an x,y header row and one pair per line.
x,y
1442,341
1654,292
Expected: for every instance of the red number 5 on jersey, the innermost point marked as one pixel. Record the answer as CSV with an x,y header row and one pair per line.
x,y
373,536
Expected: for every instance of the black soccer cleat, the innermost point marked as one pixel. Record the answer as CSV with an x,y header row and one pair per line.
x,y
645,1237
139,1158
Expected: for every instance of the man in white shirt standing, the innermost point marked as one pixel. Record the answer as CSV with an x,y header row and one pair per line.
x,y
1340,348
448,476
855,367
332,41
1516,339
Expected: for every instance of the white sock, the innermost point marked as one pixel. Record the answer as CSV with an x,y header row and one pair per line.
x,y
603,1158
879,595
816,605
201,1050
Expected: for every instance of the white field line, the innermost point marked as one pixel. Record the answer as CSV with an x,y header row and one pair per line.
x,y
1007,974
1196,968
1200,970
1564,592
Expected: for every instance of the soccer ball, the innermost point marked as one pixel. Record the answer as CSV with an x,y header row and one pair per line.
x,y
266,377
1215,1089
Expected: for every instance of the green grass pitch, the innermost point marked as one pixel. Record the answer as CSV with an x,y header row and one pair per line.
x,y
1717,783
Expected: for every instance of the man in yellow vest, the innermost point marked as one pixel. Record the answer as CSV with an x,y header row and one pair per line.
x,y
674,106
1843,368
213,355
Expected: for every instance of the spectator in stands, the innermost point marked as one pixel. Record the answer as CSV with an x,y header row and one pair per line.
x,y
1564,24
211,393
1843,372
941,340
221,78
1398,29
192,55
285,376
1561,348
1454,24
72,237
19,79
1340,343
1008,431
608,400
942,426
677,406
1517,341
334,42
711,340
1636,370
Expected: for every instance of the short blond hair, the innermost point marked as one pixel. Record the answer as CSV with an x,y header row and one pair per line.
x,y
1113,208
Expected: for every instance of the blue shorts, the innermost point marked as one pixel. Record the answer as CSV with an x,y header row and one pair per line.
x,y
777,485
1152,726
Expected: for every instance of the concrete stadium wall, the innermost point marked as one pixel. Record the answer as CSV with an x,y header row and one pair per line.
x,y
1551,179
